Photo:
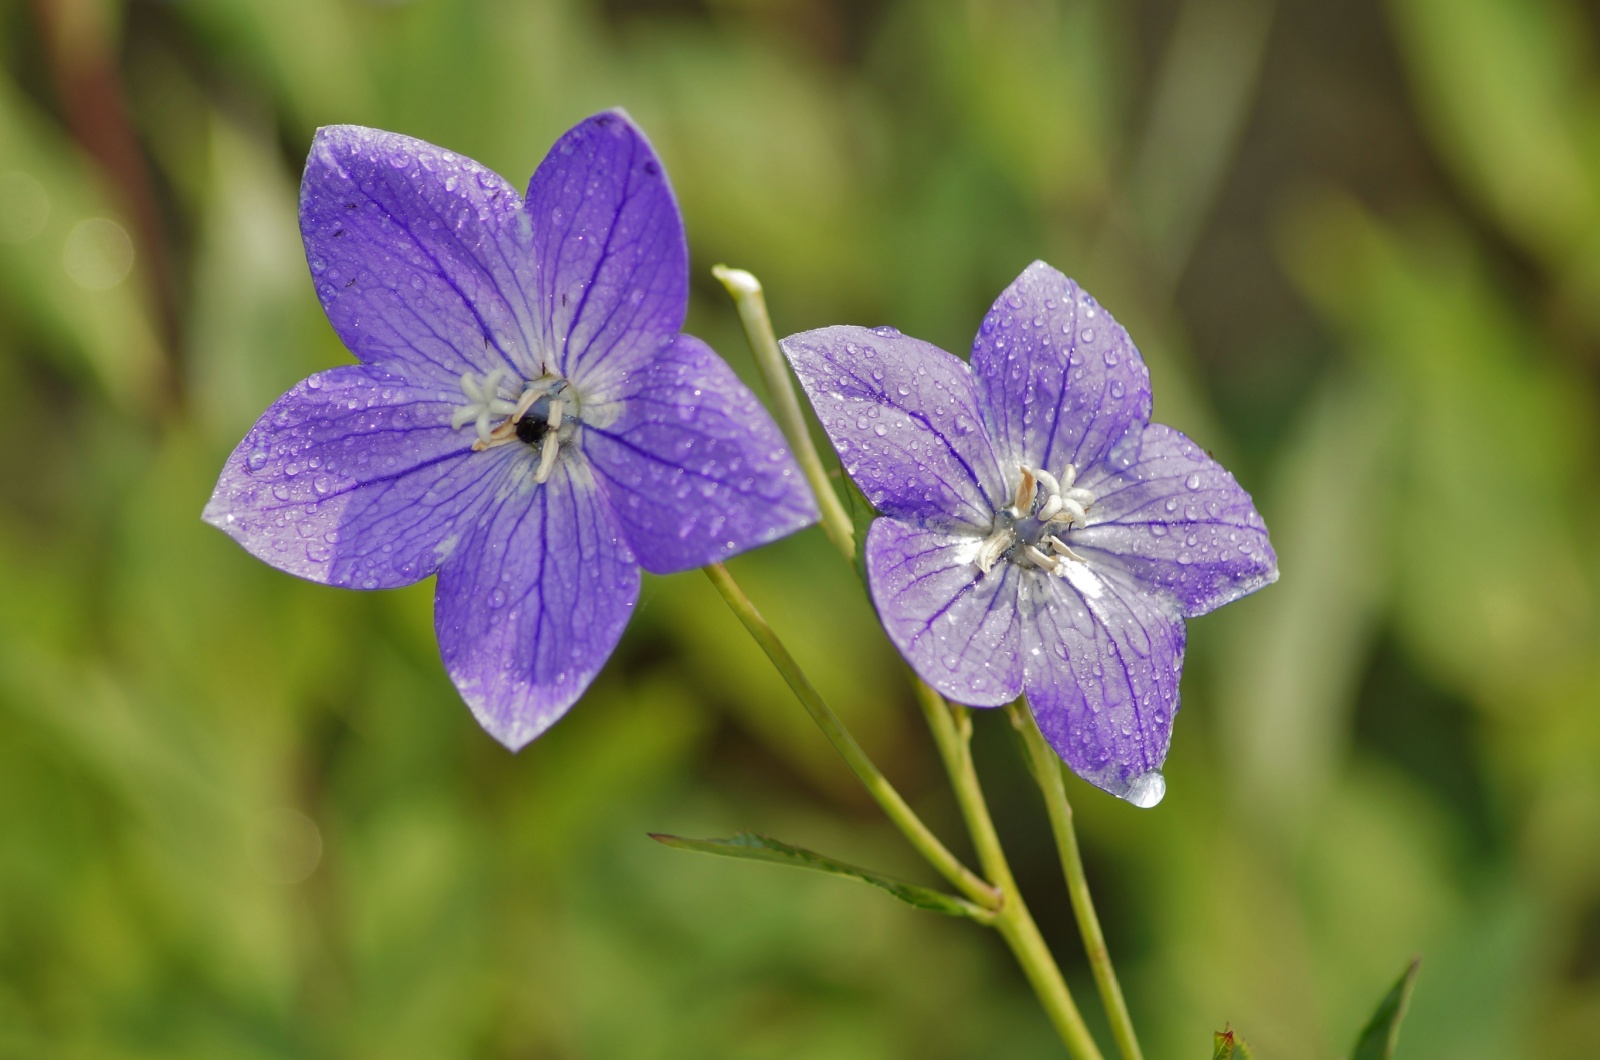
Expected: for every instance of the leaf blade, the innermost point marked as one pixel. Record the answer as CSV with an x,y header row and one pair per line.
x,y
1379,1036
752,846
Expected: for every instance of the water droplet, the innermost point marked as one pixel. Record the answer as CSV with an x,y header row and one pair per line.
x,y
258,460
1147,790
1193,482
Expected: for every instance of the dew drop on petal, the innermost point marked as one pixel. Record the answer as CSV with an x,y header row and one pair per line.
x,y
1147,789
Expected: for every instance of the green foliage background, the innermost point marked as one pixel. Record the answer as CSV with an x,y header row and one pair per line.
x,y
1359,243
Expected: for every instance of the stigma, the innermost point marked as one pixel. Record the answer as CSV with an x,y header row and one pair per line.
x,y
1033,528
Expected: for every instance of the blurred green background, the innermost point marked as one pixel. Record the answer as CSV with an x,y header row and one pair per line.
x,y
1359,244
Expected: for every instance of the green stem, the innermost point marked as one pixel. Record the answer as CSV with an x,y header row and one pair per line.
x,y
1046,769
746,292
952,731
927,844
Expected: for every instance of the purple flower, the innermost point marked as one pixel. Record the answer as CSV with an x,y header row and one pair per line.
x,y
1039,534
526,421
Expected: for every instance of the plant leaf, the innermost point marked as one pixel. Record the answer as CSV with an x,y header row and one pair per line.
x,y
1227,1045
1383,1030
755,847
862,513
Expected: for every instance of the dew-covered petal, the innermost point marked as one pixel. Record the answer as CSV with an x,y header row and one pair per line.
x,y
694,467
353,478
957,626
903,416
1178,523
1059,381
613,266
1103,658
532,603
421,257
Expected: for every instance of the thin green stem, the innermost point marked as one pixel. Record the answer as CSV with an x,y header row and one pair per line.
x,y
747,296
952,731
877,785
1046,769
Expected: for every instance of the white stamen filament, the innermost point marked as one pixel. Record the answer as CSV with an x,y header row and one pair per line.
x,y
1061,549
552,444
1049,563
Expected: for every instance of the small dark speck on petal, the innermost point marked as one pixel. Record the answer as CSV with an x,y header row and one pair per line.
x,y
352,282
651,168
563,299
349,206
604,119
339,233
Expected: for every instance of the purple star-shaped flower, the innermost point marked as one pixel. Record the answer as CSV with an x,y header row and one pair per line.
x,y
526,420
1039,533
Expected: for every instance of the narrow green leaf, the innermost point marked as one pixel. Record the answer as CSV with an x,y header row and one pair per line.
x,y
1227,1045
862,513
764,848
1383,1030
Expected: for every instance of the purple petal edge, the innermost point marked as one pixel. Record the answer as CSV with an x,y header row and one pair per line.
x,y
613,264
1103,662
695,469
532,604
1179,524
421,257
903,416
353,478
1059,381
957,627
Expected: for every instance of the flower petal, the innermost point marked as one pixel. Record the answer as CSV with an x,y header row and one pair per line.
x,y
353,478
957,626
613,279
694,467
1178,523
1059,381
420,256
1103,660
903,416
531,605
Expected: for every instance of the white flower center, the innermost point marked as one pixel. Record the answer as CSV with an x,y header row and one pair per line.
x,y
1032,530
537,414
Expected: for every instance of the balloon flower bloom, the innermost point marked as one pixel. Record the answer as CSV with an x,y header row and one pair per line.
x,y
1039,534
526,421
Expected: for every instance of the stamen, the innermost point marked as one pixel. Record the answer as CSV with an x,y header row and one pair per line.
x,y
1061,549
994,546
1069,476
1039,558
1051,507
547,457
529,396
1023,502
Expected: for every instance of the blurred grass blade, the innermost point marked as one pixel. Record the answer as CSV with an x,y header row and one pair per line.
x,y
755,847
1229,1046
1378,1039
